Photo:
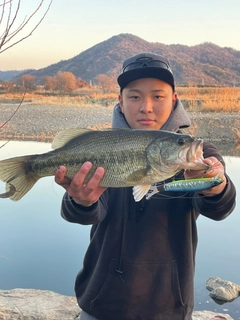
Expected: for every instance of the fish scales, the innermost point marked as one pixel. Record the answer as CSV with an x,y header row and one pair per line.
x,y
129,157
117,151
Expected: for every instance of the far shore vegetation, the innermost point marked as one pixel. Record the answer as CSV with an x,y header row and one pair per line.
x,y
66,90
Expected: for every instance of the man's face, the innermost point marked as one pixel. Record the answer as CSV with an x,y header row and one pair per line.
x,y
147,103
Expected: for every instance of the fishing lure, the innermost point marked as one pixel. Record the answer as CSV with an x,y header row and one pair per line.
x,y
188,185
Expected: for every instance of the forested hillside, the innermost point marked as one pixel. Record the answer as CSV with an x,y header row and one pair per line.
x,y
203,64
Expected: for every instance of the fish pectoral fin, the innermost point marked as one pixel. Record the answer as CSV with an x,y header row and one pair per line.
x,y
140,191
152,190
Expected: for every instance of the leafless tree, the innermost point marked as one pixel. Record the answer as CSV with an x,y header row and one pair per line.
x,y
12,32
107,83
10,29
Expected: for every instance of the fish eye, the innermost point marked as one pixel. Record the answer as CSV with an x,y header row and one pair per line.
x,y
180,142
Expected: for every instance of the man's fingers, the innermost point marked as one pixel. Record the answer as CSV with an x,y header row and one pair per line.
x,y
60,175
88,193
80,176
95,180
78,189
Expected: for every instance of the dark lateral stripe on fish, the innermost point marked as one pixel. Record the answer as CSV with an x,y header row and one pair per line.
x,y
134,158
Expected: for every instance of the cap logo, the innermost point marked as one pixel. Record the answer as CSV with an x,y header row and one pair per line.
x,y
147,59
153,66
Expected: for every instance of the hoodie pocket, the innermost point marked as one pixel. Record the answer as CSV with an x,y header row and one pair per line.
x,y
141,291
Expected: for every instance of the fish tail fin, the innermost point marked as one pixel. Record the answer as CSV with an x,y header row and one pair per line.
x,y
18,179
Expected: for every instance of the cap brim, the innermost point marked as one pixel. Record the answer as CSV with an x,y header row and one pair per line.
x,y
162,74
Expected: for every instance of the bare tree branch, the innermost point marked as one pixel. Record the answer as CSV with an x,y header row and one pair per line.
x,y
9,25
5,2
23,24
15,30
13,114
2,15
7,36
14,111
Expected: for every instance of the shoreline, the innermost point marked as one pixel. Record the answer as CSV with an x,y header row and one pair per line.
x,y
42,122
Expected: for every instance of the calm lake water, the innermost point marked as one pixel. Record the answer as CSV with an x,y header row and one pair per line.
x,y
40,250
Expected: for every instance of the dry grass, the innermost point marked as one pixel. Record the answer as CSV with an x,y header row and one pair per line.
x,y
194,98
211,99
83,99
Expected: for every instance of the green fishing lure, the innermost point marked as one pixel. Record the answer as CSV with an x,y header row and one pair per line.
x,y
188,185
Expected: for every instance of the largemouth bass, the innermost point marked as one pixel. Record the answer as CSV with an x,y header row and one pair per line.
x,y
134,158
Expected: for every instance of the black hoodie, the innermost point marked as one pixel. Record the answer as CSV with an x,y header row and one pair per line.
x,y
141,258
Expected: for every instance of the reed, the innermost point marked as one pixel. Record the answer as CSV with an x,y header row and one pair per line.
x,y
196,99
211,99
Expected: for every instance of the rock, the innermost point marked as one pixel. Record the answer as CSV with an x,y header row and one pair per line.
x,y
209,315
19,304
222,291
31,304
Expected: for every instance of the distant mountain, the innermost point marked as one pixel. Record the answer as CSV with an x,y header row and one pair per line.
x,y
203,64
11,74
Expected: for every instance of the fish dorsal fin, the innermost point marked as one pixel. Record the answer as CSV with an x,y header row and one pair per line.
x,y
140,191
64,136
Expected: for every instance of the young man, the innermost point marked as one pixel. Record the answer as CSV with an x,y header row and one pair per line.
x,y
141,257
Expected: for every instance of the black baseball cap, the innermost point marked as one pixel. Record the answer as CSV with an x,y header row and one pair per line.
x,y
146,65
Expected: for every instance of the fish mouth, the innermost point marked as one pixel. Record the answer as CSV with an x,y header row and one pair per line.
x,y
193,156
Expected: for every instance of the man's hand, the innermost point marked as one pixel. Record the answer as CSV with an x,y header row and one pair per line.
x,y
215,168
82,193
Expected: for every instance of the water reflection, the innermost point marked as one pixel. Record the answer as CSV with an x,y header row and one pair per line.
x,y
227,148
38,249
218,252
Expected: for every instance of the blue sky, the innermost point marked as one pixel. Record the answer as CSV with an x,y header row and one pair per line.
x,y
73,26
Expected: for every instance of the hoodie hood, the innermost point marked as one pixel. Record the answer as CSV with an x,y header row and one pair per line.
x,y
178,118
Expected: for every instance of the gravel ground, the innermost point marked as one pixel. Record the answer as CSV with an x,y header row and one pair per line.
x,y
42,122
